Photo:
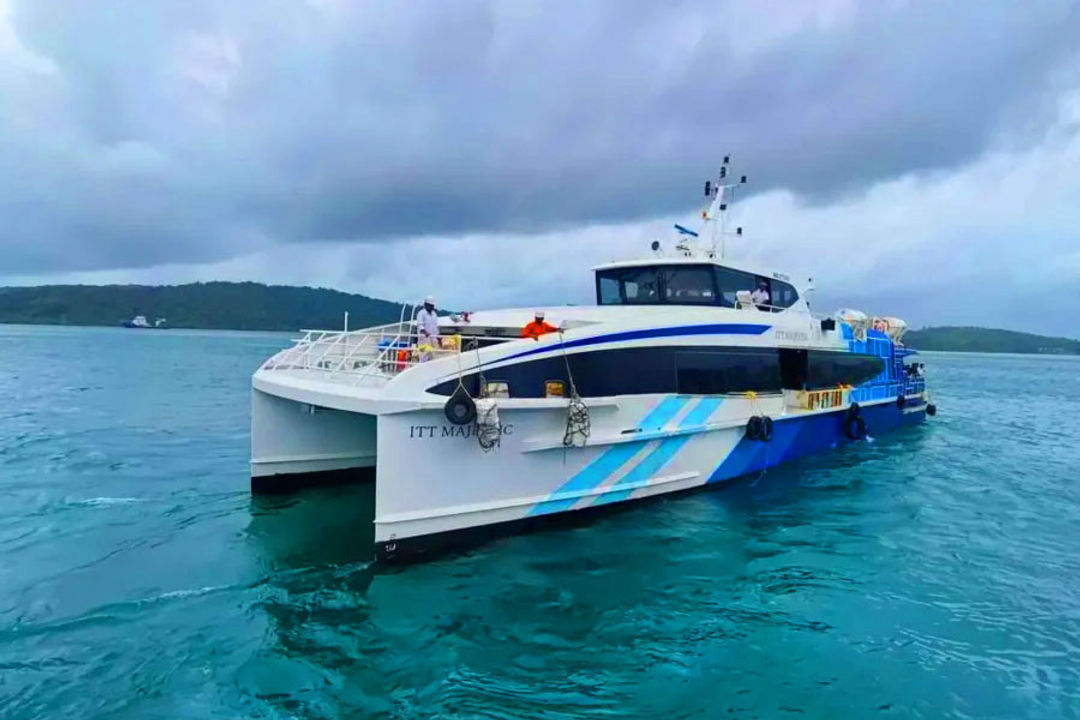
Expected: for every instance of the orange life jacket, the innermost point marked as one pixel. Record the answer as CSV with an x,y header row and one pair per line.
x,y
537,328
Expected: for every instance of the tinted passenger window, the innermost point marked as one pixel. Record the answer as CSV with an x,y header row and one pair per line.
x,y
690,285
829,369
727,371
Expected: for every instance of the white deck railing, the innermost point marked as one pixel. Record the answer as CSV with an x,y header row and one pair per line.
x,y
371,356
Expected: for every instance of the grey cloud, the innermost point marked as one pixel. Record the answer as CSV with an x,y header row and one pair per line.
x,y
193,131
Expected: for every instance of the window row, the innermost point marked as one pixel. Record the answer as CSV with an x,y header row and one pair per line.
x,y
689,285
701,370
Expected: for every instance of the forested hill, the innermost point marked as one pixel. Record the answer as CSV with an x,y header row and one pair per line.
x,y
254,306
973,339
219,305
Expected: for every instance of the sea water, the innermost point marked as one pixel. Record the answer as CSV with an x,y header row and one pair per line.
x,y
933,572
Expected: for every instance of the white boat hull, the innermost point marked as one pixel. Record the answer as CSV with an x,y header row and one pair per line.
x,y
435,486
291,439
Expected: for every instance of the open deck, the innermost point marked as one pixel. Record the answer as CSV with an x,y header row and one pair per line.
x,y
368,357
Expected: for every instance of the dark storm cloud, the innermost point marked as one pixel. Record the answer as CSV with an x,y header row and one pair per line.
x,y
150,132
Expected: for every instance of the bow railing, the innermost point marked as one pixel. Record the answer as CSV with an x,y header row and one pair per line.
x,y
370,356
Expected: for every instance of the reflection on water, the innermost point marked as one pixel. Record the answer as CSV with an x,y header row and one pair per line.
x,y
321,526
316,549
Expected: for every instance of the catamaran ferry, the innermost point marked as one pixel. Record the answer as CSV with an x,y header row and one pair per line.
x,y
690,370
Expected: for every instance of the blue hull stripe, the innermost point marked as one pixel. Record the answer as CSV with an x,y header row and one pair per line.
x,y
610,460
792,438
679,330
803,436
659,457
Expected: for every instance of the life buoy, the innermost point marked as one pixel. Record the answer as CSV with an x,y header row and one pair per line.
x,y
931,409
460,408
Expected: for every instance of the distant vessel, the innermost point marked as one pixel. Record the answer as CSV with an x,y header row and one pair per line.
x,y
139,323
690,370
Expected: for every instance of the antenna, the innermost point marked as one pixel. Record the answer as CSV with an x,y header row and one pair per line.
x,y
721,193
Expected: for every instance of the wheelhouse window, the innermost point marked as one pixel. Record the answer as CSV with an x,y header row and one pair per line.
x,y
641,286
783,295
626,286
609,290
729,282
687,285
629,286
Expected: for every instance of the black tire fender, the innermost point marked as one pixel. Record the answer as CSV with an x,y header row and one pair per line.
x,y
901,401
754,428
759,427
460,408
854,427
931,409
766,428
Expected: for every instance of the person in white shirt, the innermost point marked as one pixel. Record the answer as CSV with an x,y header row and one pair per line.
x,y
427,324
760,296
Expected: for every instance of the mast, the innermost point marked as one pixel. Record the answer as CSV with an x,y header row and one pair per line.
x,y
718,192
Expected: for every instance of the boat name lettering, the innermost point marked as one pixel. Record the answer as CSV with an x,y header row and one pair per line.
x,y
792,335
462,431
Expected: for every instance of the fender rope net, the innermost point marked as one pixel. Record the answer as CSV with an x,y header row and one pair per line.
x,y
578,424
488,426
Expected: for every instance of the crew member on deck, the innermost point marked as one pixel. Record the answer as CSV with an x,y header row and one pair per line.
x,y
760,296
427,324
537,327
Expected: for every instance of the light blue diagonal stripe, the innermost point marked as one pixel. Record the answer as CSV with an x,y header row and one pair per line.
x,y
659,457
663,412
611,460
701,412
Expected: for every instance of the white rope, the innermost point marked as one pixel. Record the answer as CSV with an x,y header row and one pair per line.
x,y
755,408
488,427
460,372
578,423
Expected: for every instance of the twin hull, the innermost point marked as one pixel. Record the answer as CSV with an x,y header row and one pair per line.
x,y
435,485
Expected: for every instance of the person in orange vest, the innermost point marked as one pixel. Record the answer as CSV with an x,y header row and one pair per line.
x,y
537,327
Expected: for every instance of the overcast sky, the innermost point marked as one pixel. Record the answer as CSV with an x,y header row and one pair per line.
x,y
916,159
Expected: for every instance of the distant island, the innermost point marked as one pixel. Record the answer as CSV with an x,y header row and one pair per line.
x,y
974,339
254,306
212,305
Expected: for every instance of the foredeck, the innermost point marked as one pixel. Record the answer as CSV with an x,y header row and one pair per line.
x,y
369,357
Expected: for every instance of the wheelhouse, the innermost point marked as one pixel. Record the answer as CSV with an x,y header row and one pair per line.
x,y
683,283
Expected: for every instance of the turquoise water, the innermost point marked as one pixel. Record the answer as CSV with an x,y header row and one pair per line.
x,y
931,573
